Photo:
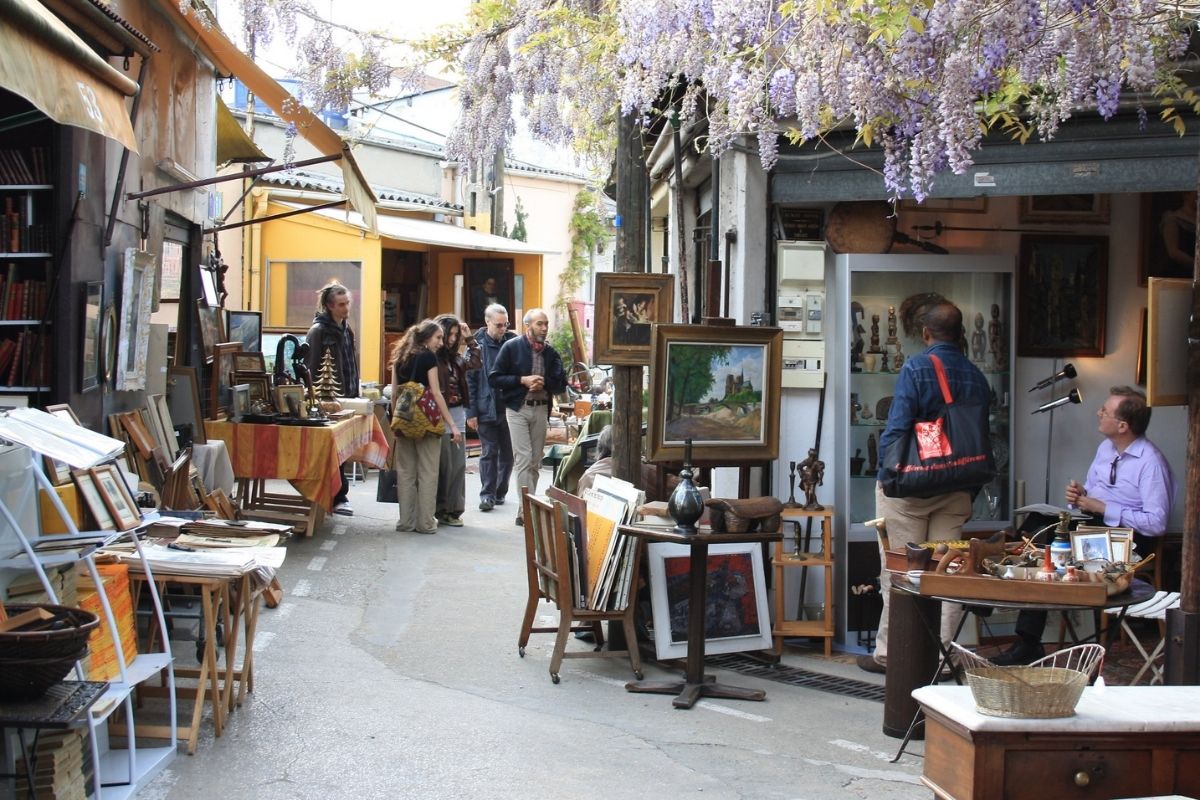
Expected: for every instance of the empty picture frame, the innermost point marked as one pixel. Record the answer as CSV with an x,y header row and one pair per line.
x,y
93,305
137,300
1168,310
183,400
86,483
116,496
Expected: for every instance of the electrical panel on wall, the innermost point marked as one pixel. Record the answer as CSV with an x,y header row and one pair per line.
x,y
800,300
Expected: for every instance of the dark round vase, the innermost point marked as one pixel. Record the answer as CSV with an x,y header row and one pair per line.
x,y
685,504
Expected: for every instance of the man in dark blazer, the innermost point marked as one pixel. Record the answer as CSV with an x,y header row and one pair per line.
x,y
527,374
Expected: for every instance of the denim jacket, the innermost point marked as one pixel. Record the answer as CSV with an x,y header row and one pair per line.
x,y
484,400
919,397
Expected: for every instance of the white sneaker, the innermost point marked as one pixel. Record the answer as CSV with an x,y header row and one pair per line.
x,y
344,509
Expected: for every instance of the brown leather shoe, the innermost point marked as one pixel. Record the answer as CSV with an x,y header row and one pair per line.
x,y
869,664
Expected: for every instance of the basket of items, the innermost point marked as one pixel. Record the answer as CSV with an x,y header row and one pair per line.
x,y
41,645
1046,689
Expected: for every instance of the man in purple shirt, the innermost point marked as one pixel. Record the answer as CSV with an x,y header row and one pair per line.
x,y
1129,485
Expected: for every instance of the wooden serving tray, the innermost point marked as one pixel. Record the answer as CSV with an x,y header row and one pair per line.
x,y
985,587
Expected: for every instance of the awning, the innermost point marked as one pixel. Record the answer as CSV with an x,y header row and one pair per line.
x,y
440,234
229,59
42,60
233,145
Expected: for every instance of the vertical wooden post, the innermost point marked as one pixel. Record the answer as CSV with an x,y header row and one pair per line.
x,y
1182,660
631,250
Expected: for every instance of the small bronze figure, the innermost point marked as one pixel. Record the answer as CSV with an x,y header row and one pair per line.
x,y
812,475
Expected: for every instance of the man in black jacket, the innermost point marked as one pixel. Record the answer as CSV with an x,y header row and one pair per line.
x,y
528,374
496,461
331,333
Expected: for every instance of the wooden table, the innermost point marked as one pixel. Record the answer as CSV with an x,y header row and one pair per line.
x,y
233,604
925,612
695,683
1123,741
308,457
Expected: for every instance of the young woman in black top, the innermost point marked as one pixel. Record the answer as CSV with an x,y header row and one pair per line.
x,y
414,359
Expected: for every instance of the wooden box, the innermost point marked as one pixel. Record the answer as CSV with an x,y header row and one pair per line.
x,y
52,521
985,587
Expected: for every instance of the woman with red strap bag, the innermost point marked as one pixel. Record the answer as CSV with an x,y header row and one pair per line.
x,y
418,420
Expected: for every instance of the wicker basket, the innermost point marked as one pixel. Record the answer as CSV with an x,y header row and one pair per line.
x,y
1047,689
33,661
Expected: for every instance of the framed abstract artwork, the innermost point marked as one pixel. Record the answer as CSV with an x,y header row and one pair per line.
x,y
736,614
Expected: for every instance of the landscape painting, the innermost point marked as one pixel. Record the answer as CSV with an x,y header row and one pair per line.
x,y
718,387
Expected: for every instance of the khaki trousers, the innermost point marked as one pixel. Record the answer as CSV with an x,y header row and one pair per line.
x,y
417,482
527,428
916,520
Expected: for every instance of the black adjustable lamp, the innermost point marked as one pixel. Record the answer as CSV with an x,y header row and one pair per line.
x,y
1068,371
1073,397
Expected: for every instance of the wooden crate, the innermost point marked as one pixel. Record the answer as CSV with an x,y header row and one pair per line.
x,y
984,587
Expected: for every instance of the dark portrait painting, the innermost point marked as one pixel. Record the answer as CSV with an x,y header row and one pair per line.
x,y
627,307
486,281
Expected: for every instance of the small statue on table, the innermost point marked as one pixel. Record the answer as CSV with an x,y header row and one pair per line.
x,y
858,344
812,475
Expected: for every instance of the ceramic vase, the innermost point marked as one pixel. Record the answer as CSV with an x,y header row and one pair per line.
x,y
685,504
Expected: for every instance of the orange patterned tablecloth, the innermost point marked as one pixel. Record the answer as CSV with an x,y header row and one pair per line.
x,y
308,457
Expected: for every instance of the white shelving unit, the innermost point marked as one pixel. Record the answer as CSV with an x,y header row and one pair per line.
x,y
119,773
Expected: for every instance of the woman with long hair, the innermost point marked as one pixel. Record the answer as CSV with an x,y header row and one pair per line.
x,y
459,352
414,359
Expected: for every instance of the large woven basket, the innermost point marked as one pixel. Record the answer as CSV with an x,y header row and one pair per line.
x,y
1047,689
33,661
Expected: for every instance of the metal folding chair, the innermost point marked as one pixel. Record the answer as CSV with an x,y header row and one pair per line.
x,y
1155,608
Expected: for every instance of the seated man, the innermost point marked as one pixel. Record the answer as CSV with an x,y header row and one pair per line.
x,y
1129,485
602,465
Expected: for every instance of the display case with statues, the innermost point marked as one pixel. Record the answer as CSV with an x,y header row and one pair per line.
x,y
892,291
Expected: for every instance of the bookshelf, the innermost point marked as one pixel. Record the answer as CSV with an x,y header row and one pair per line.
x,y
27,230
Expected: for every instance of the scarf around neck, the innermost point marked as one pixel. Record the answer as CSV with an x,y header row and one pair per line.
x,y
536,345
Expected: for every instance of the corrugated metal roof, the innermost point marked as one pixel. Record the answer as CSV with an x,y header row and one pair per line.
x,y
322,182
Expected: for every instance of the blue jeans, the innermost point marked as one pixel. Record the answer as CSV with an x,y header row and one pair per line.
x,y
496,462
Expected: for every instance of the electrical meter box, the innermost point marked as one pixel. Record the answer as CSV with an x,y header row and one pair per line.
x,y
800,303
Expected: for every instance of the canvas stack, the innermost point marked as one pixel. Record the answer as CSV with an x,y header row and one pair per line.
x,y
606,557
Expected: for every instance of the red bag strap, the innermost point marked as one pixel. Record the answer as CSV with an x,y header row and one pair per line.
x,y
941,376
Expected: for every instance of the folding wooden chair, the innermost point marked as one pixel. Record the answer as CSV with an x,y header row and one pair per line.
x,y
1155,608
547,552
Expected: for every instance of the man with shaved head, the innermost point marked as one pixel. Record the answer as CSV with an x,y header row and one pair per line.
x,y
527,374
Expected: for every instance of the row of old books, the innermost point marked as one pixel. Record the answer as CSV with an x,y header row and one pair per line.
x,y
25,359
25,167
22,299
20,232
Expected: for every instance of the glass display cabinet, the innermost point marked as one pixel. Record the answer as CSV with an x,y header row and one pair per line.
x,y
872,336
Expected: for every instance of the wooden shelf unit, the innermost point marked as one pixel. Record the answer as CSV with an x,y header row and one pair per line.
x,y
781,562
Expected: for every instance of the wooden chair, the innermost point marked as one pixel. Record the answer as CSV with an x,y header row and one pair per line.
x,y
547,555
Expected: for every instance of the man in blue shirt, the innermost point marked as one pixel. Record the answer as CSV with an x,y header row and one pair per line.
x,y
918,396
1129,485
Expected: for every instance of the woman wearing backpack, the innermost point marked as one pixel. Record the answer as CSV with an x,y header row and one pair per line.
x,y
414,359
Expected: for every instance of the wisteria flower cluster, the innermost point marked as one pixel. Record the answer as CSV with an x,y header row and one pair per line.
x,y
922,78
